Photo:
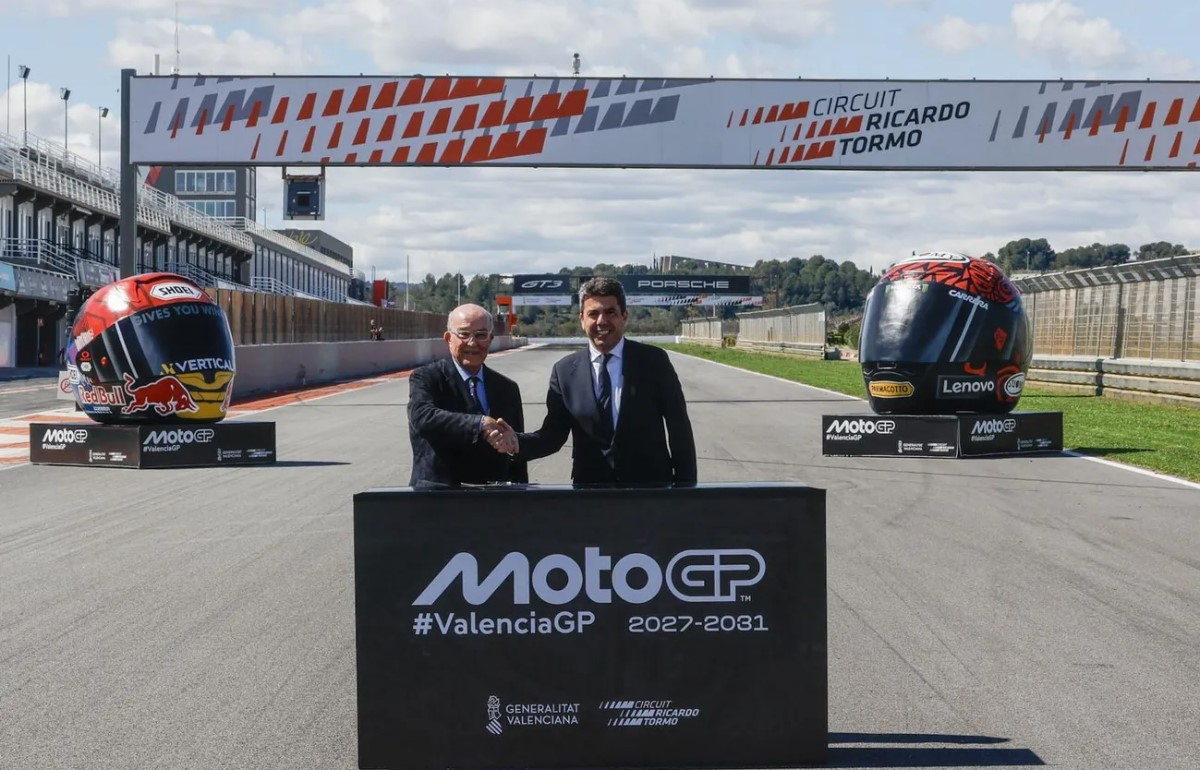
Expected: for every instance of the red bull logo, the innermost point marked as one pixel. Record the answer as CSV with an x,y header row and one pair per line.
x,y
99,395
166,395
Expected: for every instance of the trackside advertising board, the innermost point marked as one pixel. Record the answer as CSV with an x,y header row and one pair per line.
x,y
556,627
688,290
664,123
547,289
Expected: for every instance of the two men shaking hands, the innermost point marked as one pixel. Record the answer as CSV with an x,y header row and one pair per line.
x,y
619,400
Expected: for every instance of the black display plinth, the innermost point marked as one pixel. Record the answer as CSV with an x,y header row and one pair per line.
x,y
152,446
555,627
954,435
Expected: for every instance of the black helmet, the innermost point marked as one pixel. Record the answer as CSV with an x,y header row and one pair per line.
x,y
151,348
944,333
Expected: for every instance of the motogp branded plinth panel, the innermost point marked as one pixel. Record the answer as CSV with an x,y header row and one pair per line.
x,y
152,445
573,627
941,435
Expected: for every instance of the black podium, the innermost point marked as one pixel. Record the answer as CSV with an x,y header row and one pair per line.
x,y
144,445
560,627
945,435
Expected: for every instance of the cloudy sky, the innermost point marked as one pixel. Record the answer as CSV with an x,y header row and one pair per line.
x,y
532,220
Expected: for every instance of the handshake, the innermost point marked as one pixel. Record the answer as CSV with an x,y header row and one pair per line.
x,y
500,435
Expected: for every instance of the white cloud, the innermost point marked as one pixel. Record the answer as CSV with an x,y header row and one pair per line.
x,y
955,35
1061,30
204,50
191,9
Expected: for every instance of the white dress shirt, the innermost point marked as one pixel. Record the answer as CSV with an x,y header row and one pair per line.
x,y
616,372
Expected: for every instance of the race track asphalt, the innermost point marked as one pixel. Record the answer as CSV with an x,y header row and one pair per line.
x,y
986,612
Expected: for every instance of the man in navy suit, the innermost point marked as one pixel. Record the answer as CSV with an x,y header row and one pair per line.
x,y
619,400
453,401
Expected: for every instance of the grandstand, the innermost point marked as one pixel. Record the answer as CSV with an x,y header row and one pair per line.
x,y
59,227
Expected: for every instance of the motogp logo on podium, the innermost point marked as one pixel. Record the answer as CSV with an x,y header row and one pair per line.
x,y
696,575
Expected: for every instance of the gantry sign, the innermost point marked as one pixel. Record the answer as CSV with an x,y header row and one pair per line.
x,y
642,290
656,123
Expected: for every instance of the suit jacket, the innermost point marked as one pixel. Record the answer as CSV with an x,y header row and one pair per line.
x,y
447,444
652,417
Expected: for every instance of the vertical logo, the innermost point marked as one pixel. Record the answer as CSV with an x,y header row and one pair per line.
x,y
493,711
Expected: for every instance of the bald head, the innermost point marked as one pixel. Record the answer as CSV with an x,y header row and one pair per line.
x,y
465,316
469,333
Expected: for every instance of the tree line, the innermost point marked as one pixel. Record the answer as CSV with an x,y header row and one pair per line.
x,y
841,287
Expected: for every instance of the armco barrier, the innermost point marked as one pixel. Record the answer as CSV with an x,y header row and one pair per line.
x,y
269,368
1133,379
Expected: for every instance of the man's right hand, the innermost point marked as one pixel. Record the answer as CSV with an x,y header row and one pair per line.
x,y
500,435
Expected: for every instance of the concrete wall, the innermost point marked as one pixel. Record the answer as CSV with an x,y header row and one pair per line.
x,y
270,368
799,330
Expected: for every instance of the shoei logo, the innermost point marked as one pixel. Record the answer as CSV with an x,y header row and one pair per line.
x,y
994,426
699,575
681,284
179,436
890,389
935,256
543,283
1014,385
846,427
65,436
175,290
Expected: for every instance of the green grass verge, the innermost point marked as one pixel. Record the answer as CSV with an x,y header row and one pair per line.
x,y
1161,437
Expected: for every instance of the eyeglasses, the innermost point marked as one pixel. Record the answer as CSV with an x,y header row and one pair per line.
x,y
467,334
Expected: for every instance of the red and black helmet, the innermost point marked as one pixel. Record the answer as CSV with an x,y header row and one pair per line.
x,y
944,333
151,348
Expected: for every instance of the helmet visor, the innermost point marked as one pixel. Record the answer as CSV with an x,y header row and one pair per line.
x,y
923,322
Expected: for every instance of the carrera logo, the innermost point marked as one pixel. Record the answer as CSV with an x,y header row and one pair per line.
x,y
681,284
964,387
976,301
890,389
65,436
168,291
698,575
993,426
1014,385
845,427
179,436
543,284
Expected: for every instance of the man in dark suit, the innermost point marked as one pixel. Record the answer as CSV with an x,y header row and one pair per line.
x,y
453,401
619,400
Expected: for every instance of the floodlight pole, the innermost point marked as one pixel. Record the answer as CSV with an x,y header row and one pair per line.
x,y
128,227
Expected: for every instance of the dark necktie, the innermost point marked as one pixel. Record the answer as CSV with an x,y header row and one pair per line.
x,y
605,401
476,404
